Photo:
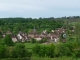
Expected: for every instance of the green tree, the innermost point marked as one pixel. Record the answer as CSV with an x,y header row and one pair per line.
x,y
0,34
42,51
8,41
50,50
33,40
62,50
3,51
20,51
36,49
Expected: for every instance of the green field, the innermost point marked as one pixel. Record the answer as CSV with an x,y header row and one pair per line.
x,y
30,45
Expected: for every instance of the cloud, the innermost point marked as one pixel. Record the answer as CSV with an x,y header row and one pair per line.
x,y
18,6
39,8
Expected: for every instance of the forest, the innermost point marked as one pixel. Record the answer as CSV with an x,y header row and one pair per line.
x,y
69,50
27,24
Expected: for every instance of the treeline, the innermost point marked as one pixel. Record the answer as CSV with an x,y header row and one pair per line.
x,y
28,24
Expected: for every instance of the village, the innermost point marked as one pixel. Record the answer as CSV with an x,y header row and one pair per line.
x,y
54,36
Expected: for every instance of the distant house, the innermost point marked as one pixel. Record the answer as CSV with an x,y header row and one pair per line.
x,y
44,32
3,35
32,33
22,37
9,32
60,30
37,37
54,36
19,36
14,39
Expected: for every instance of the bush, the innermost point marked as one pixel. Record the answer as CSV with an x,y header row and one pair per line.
x,y
8,41
33,40
20,51
3,51
62,50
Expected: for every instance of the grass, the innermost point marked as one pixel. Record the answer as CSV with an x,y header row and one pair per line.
x,y
30,45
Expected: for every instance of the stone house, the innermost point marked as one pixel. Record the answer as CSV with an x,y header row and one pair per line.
x,y
14,39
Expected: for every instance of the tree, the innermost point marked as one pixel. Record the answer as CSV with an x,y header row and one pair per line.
x,y
0,34
62,50
36,49
43,50
3,51
20,51
50,50
33,40
8,41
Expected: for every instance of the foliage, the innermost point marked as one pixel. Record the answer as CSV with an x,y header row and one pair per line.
x,y
20,51
3,51
8,41
62,50
0,34
27,24
50,50
43,50
43,40
33,40
36,49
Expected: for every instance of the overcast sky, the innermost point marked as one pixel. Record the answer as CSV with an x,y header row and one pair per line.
x,y
39,8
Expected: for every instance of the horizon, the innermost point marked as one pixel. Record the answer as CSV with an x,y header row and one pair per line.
x,y
38,17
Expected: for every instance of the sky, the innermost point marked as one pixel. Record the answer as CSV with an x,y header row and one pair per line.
x,y
39,8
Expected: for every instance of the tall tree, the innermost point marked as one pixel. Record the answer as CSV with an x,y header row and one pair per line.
x,y
3,51
8,41
20,51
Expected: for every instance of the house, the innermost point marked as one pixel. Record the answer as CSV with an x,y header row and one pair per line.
x,y
53,37
19,36
9,32
37,37
52,31
44,31
60,30
14,39
28,39
3,35
32,33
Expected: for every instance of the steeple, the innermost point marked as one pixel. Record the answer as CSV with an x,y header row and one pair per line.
x,y
34,29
